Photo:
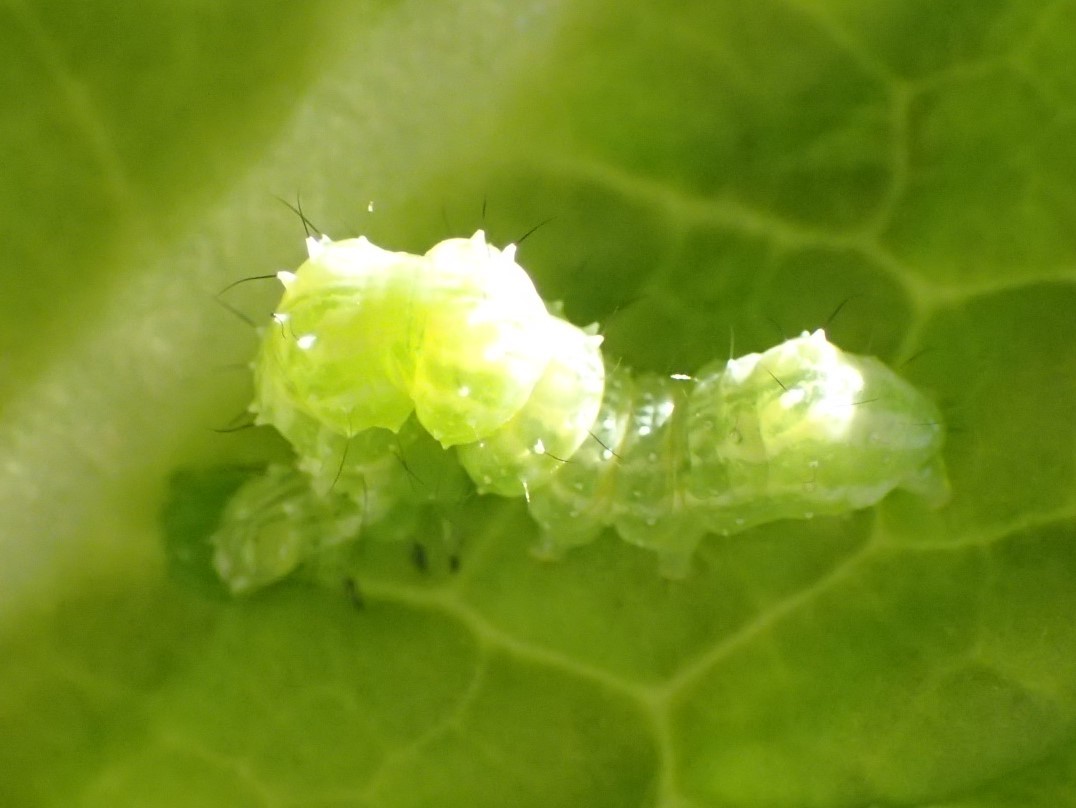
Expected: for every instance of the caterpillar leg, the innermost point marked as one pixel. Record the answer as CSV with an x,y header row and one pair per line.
x,y
555,540
671,539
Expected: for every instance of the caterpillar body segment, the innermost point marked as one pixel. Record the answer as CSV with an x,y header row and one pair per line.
x,y
801,430
364,337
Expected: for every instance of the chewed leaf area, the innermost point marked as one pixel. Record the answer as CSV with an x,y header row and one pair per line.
x,y
705,181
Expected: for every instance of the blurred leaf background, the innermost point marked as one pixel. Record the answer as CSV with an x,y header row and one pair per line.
x,y
711,171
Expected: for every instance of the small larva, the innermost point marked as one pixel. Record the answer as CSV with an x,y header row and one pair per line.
x,y
381,367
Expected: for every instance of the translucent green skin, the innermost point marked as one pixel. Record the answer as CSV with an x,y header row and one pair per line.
x,y
531,448
459,337
274,523
377,357
364,337
800,430
338,491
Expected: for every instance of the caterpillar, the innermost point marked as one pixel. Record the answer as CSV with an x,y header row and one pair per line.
x,y
382,367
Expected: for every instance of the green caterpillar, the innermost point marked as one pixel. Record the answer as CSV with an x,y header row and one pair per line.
x,y
386,366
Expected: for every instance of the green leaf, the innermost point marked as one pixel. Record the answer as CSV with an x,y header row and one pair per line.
x,y
711,171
